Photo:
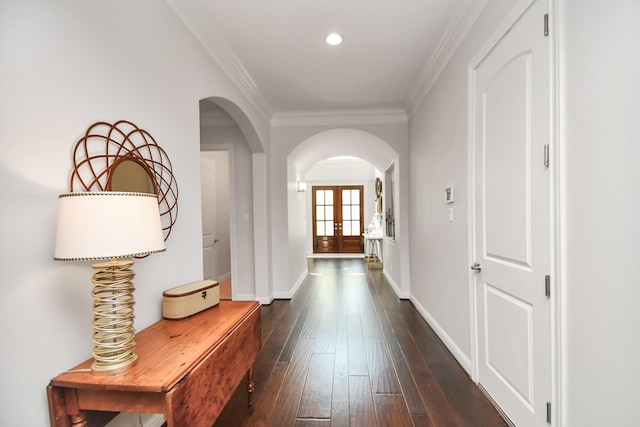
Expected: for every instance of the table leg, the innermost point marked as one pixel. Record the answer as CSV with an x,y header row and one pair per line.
x,y
78,418
251,385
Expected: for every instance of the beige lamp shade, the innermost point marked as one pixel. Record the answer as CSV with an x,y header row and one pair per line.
x,y
103,225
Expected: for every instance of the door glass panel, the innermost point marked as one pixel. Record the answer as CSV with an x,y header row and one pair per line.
x,y
329,229
346,197
319,197
320,228
350,212
355,228
320,213
328,197
328,214
346,213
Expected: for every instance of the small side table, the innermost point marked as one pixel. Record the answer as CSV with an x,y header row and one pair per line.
x,y
373,250
187,370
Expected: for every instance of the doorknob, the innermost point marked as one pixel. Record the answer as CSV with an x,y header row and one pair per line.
x,y
476,267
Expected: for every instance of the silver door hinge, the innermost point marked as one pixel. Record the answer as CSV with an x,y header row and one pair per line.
x,y
546,155
548,412
547,286
546,24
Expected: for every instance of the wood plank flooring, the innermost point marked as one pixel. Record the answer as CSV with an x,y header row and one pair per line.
x,y
345,351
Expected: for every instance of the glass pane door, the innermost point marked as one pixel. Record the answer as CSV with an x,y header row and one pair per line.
x,y
351,212
324,213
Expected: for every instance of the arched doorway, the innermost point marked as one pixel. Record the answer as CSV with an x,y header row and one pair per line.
x,y
342,141
228,144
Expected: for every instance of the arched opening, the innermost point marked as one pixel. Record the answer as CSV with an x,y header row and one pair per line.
x,y
228,142
368,148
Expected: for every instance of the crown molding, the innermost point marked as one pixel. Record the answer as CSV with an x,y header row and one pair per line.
x,y
221,53
453,36
339,117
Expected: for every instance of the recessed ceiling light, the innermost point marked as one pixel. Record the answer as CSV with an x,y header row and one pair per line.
x,y
334,39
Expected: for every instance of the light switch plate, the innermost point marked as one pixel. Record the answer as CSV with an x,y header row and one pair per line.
x,y
448,195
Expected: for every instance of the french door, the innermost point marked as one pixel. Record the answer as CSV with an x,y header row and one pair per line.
x,y
338,219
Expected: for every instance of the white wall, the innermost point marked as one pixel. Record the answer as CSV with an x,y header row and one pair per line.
x,y
66,65
600,143
438,159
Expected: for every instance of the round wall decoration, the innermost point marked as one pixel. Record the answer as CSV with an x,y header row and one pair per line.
x,y
123,157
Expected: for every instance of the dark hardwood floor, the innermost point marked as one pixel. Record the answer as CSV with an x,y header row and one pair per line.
x,y
345,351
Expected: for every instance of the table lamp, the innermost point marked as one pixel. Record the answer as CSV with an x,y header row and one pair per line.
x,y
110,225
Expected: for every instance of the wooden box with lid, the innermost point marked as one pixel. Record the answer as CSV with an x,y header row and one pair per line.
x,y
187,300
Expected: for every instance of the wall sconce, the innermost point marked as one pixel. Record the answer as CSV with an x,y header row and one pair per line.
x,y
110,225
302,186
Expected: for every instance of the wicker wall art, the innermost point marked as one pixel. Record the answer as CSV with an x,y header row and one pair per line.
x,y
123,157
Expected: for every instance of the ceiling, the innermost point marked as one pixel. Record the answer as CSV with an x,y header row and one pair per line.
x,y
275,50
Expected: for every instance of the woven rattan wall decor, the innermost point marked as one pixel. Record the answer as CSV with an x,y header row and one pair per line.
x,y
123,157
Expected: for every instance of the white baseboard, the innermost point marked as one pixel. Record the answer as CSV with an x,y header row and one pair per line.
x,y
265,301
252,297
134,419
346,256
155,421
459,355
224,277
244,297
395,287
296,286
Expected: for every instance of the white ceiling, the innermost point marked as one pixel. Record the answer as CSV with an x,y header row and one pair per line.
x,y
275,50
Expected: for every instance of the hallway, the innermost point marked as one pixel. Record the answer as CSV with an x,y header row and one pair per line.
x,y
346,352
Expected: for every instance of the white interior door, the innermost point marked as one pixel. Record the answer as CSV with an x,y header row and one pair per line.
x,y
512,219
209,239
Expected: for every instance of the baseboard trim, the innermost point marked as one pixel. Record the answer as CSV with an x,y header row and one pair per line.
x,y
265,301
296,286
133,418
156,420
245,297
224,277
331,256
395,287
457,353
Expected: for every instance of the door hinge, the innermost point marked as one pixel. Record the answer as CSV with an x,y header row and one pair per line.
x,y
546,24
546,155
547,286
548,412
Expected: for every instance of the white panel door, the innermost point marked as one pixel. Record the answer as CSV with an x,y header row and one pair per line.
x,y
512,220
209,240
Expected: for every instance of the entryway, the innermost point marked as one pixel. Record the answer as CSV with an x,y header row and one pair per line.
x,y
338,219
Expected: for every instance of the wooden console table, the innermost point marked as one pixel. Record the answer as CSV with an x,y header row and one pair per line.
x,y
187,370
